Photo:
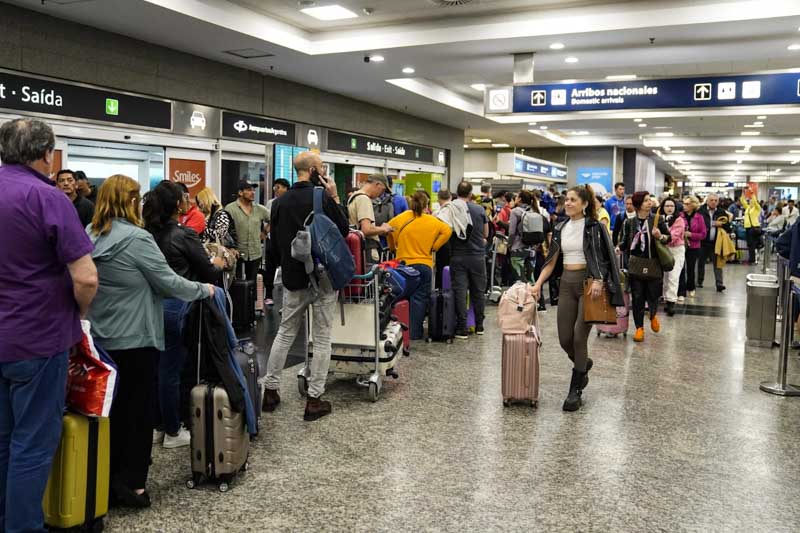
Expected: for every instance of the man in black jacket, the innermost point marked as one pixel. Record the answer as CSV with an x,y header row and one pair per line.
x,y
289,213
712,215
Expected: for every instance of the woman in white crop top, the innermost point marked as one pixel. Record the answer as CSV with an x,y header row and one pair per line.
x,y
583,246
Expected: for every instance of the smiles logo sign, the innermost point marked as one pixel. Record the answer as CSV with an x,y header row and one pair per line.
x,y
240,126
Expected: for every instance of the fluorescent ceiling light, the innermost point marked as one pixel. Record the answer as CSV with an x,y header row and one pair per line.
x,y
738,161
793,47
479,86
568,81
667,148
571,59
753,126
501,145
557,46
637,120
642,125
778,169
376,58
762,117
679,151
481,141
758,123
334,12
466,146
795,161
582,132
531,123
620,77
408,70
665,134
542,127
742,151
751,133
794,151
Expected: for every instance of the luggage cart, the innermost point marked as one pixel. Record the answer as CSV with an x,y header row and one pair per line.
x,y
358,346
495,292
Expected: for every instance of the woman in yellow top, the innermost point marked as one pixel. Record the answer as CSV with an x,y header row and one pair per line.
x,y
752,223
602,215
415,236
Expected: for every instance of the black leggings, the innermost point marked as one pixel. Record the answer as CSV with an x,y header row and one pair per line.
x,y
692,255
644,291
753,236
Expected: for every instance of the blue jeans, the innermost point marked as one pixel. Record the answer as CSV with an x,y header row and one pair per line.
x,y
31,410
419,300
170,365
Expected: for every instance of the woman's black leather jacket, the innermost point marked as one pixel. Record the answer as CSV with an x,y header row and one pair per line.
x,y
601,260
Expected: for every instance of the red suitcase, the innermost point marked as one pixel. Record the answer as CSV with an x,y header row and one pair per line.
x,y
521,368
402,312
355,241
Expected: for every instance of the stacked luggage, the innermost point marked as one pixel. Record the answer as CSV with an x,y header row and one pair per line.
x,y
519,322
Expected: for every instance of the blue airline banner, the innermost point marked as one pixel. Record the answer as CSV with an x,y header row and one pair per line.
x,y
530,168
709,91
598,177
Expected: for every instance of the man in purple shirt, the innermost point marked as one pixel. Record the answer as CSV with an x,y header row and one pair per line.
x,y
47,281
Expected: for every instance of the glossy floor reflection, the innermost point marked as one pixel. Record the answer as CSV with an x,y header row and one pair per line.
x,y
675,436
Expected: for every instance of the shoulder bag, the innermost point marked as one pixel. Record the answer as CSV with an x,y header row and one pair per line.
x,y
665,258
597,310
645,268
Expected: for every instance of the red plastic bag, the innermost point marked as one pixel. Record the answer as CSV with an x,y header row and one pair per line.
x,y
91,377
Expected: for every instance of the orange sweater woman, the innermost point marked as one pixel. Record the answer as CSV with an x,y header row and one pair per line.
x,y
415,236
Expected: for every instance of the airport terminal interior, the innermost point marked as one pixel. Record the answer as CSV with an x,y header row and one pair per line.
x,y
608,114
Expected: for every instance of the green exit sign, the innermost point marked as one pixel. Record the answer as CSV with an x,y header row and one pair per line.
x,y
353,143
112,106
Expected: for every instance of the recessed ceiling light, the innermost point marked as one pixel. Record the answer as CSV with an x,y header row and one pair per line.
x,y
542,127
408,70
667,148
753,126
481,141
642,125
762,117
794,151
778,169
679,151
742,151
568,81
501,145
665,134
751,133
466,146
532,123
637,120
479,86
557,46
620,77
376,58
793,47
758,123
334,12
571,59
582,132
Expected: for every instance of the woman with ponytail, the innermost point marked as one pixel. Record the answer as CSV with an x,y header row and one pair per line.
x,y
580,248
187,257
415,236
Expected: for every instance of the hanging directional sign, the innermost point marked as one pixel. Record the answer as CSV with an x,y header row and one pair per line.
x,y
710,91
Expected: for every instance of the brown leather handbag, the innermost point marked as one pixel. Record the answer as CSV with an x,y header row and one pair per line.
x,y
597,310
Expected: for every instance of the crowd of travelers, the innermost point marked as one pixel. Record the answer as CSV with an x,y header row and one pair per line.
x,y
131,264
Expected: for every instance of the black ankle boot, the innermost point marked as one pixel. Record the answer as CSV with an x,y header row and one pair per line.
x,y
589,365
573,401
670,308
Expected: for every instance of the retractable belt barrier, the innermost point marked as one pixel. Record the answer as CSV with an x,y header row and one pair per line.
x,y
789,291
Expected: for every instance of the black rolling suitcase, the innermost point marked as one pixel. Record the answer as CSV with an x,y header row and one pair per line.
x,y
442,317
242,293
248,361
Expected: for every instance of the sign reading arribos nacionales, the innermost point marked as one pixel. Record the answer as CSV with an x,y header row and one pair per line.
x,y
699,92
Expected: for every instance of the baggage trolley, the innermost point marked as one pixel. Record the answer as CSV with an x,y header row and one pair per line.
x,y
495,292
358,346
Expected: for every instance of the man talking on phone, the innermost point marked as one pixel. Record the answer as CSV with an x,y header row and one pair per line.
x,y
289,213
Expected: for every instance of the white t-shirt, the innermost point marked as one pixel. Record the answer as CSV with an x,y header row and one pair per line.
x,y
791,218
572,242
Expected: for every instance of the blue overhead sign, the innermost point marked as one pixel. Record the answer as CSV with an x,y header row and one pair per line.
x,y
598,178
709,91
530,168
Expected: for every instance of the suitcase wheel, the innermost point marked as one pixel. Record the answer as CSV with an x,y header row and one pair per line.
x,y
534,404
406,352
449,341
223,487
429,340
598,333
506,403
373,392
625,334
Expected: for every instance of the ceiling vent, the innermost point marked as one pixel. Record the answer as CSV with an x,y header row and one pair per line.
x,y
450,3
249,53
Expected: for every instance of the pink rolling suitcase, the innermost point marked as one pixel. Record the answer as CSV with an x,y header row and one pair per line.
x,y
612,330
521,367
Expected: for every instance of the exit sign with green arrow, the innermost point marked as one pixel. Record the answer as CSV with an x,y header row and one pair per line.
x,y
112,106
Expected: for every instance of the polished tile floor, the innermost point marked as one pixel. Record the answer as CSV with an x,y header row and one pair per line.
x,y
675,436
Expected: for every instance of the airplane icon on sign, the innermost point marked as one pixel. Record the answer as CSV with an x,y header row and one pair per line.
x,y
538,98
702,91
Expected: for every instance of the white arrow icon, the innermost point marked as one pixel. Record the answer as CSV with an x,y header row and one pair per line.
x,y
538,98
702,91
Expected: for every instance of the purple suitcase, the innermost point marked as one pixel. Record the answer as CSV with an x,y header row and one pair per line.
x,y
442,312
622,321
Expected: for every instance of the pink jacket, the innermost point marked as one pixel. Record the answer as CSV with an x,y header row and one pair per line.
x,y
697,228
676,231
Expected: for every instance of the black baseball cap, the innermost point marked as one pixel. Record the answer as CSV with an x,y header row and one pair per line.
x,y
244,184
283,182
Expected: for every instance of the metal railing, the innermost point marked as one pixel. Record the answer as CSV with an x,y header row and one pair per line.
x,y
788,292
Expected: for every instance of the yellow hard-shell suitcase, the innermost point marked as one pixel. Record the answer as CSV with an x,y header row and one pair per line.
x,y
83,454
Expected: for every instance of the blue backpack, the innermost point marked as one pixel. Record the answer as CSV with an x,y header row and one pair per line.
x,y
403,281
328,247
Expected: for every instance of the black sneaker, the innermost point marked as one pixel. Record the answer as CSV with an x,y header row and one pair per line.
x,y
462,334
478,330
720,288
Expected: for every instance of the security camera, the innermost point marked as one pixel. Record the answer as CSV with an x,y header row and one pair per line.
x,y
366,59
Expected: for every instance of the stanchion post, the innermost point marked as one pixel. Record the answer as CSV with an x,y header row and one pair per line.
x,y
781,387
767,254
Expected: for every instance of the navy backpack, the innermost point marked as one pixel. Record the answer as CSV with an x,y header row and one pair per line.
x,y
328,247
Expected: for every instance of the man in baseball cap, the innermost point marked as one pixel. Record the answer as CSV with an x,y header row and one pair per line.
x,y
362,214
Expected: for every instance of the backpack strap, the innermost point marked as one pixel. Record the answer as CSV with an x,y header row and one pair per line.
x,y
318,191
353,196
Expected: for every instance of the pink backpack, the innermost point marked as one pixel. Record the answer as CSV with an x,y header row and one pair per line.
x,y
516,312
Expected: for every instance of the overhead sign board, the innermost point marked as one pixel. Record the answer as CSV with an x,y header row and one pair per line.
x,y
37,95
253,128
311,136
499,100
195,120
705,92
341,141
598,177
531,168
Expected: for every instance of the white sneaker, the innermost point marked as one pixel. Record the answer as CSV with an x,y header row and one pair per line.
x,y
183,438
681,299
158,436
691,294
